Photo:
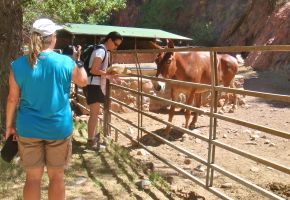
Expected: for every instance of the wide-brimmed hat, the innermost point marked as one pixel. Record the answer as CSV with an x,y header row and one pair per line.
x,y
45,27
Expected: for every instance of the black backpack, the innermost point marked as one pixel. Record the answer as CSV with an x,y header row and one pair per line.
x,y
86,56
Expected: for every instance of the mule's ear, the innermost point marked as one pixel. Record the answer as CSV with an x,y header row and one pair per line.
x,y
157,58
170,43
153,45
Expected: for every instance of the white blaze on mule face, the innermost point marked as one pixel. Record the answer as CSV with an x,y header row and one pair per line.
x,y
159,85
162,84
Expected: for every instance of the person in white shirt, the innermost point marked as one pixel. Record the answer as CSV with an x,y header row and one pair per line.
x,y
98,65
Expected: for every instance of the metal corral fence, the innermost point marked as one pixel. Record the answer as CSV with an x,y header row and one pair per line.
x,y
212,140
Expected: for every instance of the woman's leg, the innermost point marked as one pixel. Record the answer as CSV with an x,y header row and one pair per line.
x,y
93,120
31,152
31,190
58,153
56,188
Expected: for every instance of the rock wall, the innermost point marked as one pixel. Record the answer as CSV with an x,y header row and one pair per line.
x,y
275,31
150,104
132,99
234,22
131,58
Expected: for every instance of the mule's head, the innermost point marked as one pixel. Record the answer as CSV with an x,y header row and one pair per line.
x,y
166,64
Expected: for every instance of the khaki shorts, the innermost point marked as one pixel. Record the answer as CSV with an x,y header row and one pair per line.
x,y
38,152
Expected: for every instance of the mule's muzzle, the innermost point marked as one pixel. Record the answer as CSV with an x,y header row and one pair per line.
x,y
159,86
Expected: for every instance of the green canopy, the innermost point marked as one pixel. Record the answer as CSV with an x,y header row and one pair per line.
x,y
102,30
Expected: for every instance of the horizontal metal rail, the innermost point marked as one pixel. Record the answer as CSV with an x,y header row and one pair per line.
x,y
80,105
268,96
178,169
81,96
163,99
123,133
184,130
215,49
218,116
264,95
176,82
253,126
252,157
197,158
246,183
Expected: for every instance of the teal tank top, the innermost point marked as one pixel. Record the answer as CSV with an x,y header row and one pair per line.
x,y
44,111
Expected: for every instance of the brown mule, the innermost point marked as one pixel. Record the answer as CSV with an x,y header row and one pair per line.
x,y
193,67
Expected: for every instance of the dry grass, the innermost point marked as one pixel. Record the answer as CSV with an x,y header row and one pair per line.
x,y
110,174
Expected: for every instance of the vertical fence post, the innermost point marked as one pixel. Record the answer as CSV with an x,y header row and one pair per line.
x,y
140,97
106,110
107,104
213,121
76,91
116,135
215,104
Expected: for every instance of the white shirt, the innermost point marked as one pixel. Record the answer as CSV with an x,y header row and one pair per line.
x,y
100,53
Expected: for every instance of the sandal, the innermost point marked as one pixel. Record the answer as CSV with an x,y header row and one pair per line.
x,y
94,143
97,138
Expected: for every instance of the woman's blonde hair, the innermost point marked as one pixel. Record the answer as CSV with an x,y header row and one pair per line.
x,y
36,43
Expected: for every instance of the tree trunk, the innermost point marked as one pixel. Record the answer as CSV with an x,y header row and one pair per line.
x,y
10,44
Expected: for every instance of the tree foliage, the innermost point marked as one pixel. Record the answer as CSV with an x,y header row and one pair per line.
x,y
70,11
203,33
161,14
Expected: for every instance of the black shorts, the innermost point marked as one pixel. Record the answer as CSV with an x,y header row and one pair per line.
x,y
94,94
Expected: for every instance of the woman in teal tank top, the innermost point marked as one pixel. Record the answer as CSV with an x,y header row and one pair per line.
x,y
39,89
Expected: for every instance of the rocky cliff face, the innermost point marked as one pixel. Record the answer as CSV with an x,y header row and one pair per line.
x,y
129,15
228,22
274,31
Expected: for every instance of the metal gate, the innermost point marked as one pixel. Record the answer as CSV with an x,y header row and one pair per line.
x,y
213,115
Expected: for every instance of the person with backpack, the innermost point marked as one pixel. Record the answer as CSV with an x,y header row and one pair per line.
x,y
97,75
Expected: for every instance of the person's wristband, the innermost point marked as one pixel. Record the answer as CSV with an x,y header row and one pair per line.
x,y
80,63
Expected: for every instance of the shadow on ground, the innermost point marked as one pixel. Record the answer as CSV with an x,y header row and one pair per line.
x,y
269,82
114,173
150,140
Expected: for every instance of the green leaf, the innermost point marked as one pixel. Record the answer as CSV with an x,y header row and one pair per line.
x,y
70,11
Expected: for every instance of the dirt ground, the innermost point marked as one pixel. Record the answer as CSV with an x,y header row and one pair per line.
x,y
267,113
